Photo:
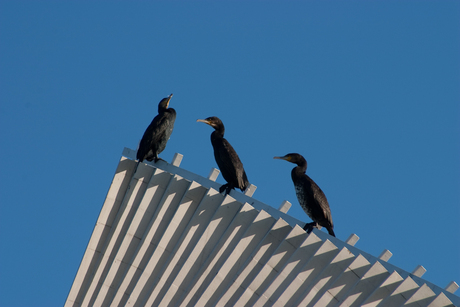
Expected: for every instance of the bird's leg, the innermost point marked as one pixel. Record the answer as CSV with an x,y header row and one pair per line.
x,y
227,191
224,187
309,227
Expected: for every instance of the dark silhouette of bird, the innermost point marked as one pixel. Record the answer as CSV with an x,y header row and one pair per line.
x,y
157,133
226,157
311,198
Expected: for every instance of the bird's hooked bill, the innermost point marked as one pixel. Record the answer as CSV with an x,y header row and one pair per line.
x,y
169,99
202,121
287,158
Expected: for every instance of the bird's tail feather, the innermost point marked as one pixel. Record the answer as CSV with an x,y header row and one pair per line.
x,y
331,232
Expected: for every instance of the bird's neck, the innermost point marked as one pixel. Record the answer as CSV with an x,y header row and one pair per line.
x,y
301,168
218,133
166,111
162,109
215,137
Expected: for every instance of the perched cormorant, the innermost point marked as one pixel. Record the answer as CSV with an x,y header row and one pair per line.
x,y
226,157
310,196
157,133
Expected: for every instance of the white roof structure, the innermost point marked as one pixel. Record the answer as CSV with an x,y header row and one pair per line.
x,y
167,237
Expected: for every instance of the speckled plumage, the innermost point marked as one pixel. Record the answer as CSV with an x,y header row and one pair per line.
x,y
311,198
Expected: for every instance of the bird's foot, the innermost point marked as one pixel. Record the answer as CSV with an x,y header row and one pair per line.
x,y
309,227
222,188
225,187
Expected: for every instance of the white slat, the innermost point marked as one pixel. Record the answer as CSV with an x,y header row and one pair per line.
x,y
221,252
383,290
441,301
130,242
345,282
364,288
101,230
139,229
257,260
422,297
295,240
331,272
187,242
212,234
307,269
120,226
400,295
163,215
227,271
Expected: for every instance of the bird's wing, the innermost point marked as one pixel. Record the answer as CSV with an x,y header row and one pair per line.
x,y
229,163
166,123
314,199
322,202
152,135
160,127
144,145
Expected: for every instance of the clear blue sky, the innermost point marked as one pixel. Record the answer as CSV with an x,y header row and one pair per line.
x,y
367,91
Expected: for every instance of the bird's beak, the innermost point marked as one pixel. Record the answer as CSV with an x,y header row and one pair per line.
x,y
203,121
287,158
169,98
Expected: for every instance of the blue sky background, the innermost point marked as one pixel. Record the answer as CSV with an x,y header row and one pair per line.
x,y
367,91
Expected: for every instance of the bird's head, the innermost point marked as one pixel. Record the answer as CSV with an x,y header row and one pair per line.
x,y
293,158
164,103
212,121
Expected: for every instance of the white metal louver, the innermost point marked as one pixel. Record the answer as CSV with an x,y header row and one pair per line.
x,y
167,237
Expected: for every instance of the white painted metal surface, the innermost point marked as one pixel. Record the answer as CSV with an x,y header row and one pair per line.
x,y
167,237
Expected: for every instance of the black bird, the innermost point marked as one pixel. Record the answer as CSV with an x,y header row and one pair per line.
x,y
157,133
311,198
226,157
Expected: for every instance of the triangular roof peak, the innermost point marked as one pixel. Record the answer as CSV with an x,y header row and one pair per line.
x,y
166,236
